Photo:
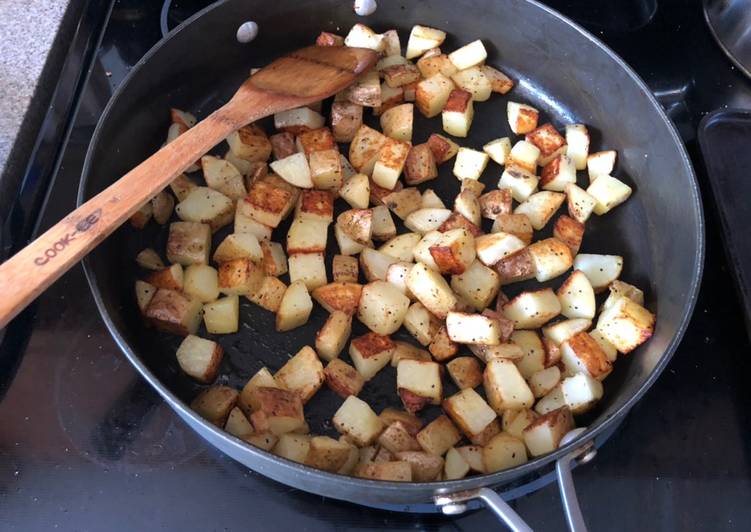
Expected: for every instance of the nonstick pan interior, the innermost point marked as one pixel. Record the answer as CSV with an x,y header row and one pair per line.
x,y
559,70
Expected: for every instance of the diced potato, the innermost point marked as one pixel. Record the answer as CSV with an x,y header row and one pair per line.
x,y
329,39
465,372
436,64
346,119
356,191
439,436
543,381
199,358
249,143
550,143
245,224
172,278
370,353
552,352
361,36
333,336
546,432
469,411
294,169
601,270
503,451
496,246
283,144
431,200
551,258
432,94
508,351
302,374
475,188
295,307
375,264
472,456
269,295
505,387
467,204
268,204
382,307
458,113
173,312
521,182
343,379
326,169
533,359
405,351
514,224
570,232
540,207
395,471
552,401
422,39
238,425
274,259
466,328
424,220
188,243
582,354
431,290
610,351
315,140
278,411
398,75
357,420
420,165
249,400
142,216
559,174
391,45
525,155
366,90
403,202
298,120
327,453
580,203
149,259
474,81
161,207
215,403
515,268
357,224
608,193
181,186
443,148
205,205
345,269
222,175
263,440
396,275
341,296
620,288
484,437
515,421
495,203
293,447
454,252
469,55
383,223
421,323
238,246
397,438
577,297
183,118
365,148
581,392
307,235
577,140
498,150
222,316
401,247
470,164
442,347
626,324
478,285
389,97
499,82
347,246
522,118
425,467
240,277
600,163
201,282
390,162
418,383
530,310
144,294
396,122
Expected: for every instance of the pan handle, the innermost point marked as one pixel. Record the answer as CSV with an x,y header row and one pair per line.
x,y
454,503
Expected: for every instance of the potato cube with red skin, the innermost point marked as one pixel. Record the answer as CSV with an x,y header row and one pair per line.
x,y
458,113
465,328
283,144
240,276
397,438
418,384
370,353
329,39
269,295
436,64
365,148
432,94
443,148
303,373
377,192
346,119
442,347
465,372
345,269
278,411
332,337
454,252
540,207
548,141
499,81
365,91
457,221
439,436
199,358
250,143
469,411
341,296
570,232
505,387
173,312
400,75
516,267
626,324
390,163
420,165
342,378
390,98
551,258
357,420
215,403
268,204
524,155
495,203
521,117
545,433
530,310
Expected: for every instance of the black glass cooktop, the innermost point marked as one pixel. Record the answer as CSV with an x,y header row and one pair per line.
x,y
86,445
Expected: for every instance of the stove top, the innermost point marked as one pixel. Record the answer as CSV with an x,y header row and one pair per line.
x,y
87,445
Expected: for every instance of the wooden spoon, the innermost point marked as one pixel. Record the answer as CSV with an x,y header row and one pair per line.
x,y
301,78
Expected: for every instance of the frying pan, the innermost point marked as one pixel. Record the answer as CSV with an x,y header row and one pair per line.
x,y
560,69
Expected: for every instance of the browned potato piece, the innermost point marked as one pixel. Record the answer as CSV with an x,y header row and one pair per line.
x,y
442,348
342,378
269,295
515,224
240,277
392,471
405,351
283,145
189,243
357,224
333,336
443,148
250,143
162,205
400,75
418,383
465,372
327,453
516,267
326,169
425,466
268,204
370,353
499,82
344,297
570,232
279,411
495,203
439,436
403,202
171,278
303,373
548,141
397,438
482,438
214,404
274,259
454,252
409,421
346,119
181,186
315,204
457,221
377,192
172,312
316,140
329,39
420,165
199,358
345,269
469,411
545,433
364,149
141,217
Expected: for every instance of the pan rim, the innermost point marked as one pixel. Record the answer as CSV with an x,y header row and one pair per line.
x,y
403,490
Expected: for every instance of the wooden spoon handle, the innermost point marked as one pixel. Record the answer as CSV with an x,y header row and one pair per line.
x,y
27,274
